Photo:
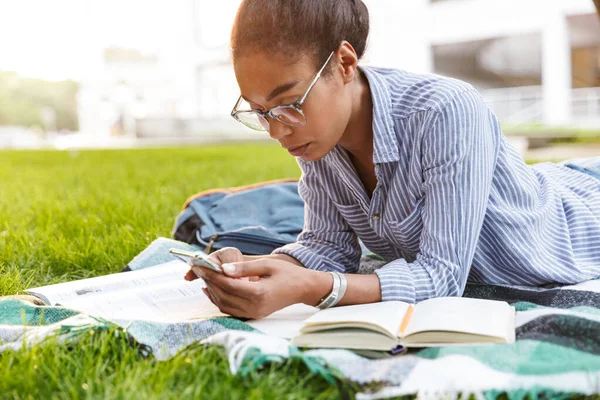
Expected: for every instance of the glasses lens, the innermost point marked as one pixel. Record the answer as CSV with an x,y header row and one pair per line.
x,y
288,115
253,120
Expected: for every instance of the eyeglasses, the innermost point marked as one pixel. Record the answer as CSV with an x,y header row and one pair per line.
x,y
289,114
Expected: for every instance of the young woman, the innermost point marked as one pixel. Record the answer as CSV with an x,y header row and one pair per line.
x,y
415,166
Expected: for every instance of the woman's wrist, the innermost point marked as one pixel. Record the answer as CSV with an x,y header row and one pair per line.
x,y
361,289
318,285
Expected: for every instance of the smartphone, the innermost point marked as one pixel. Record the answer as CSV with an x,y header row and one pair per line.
x,y
199,259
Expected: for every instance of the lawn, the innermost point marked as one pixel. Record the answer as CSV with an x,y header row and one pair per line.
x,y
72,215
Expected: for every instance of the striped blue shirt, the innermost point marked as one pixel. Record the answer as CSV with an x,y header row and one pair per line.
x,y
454,201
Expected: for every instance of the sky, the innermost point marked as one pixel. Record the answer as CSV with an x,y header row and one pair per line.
x,y
60,39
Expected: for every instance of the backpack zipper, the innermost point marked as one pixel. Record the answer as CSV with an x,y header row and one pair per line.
x,y
209,246
244,237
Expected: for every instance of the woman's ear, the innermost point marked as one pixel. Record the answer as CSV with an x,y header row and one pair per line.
x,y
348,61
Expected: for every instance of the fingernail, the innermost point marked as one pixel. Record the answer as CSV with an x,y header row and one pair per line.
x,y
228,268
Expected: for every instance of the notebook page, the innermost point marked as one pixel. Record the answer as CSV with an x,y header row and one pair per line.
x,y
388,315
169,302
62,292
285,323
460,314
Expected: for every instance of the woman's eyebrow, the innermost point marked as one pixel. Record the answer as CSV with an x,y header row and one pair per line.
x,y
281,89
276,92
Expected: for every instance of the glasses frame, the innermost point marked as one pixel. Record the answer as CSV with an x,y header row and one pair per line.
x,y
297,105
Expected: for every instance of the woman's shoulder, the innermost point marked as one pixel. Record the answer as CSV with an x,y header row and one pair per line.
x,y
411,92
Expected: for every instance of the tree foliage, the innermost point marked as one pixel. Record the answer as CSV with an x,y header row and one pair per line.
x,y
22,100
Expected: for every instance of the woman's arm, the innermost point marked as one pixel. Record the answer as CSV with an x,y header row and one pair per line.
x,y
361,289
276,284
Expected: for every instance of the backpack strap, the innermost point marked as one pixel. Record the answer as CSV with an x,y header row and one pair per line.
x,y
235,189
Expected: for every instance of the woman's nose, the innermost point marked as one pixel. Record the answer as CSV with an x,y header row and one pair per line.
x,y
278,130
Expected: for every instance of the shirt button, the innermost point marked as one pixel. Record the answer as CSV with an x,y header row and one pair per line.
x,y
376,217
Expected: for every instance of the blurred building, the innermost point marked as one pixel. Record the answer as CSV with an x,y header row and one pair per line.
x,y
128,85
534,61
184,89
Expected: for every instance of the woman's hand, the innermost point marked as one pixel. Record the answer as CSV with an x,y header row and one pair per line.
x,y
220,257
257,288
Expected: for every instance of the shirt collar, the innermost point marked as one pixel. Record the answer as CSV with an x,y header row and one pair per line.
x,y
385,141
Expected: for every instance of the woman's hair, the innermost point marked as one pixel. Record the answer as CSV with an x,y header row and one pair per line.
x,y
293,28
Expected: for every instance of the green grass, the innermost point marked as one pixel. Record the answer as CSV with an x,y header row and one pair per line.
x,y
559,134
72,215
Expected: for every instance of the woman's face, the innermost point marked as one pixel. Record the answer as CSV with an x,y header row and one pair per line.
x,y
267,80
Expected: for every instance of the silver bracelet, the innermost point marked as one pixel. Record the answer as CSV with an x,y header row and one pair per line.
x,y
330,299
343,286
339,289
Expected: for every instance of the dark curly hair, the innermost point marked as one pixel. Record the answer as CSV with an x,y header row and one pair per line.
x,y
293,28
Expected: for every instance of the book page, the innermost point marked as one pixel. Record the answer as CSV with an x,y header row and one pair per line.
x,y
386,315
175,301
460,314
61,292
285,323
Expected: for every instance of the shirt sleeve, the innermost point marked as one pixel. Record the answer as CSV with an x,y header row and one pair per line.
x,y
327,243
458,161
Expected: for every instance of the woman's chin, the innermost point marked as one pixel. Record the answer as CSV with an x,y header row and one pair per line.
x,y
313,153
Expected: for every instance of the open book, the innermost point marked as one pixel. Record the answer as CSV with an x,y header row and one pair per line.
x,y
156,293
434,322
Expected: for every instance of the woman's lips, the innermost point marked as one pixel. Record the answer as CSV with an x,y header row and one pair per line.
x,y
298,151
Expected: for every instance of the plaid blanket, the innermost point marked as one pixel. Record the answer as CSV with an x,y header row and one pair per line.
x,y
21,321
557,351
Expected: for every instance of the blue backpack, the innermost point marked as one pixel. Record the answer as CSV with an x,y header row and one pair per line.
x,y
256,219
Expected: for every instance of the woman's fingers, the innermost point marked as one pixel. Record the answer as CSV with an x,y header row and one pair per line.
x,y
260,267
241,287
227,255
227,303
190,276
209,295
